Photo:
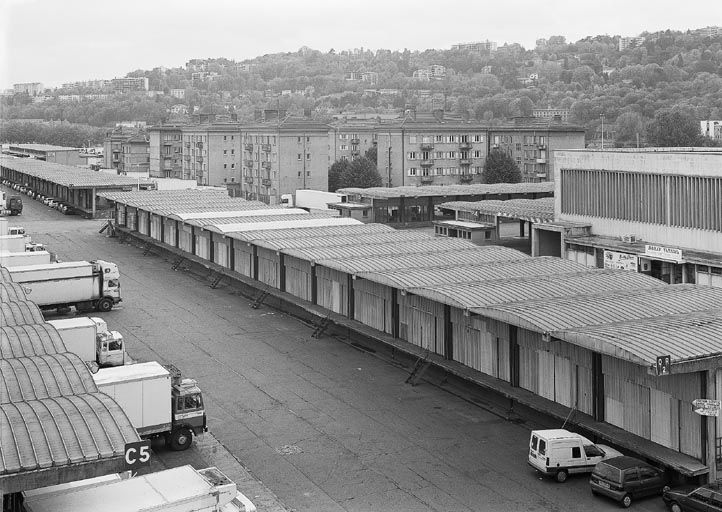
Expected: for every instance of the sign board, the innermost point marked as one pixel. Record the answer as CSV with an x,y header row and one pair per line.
x,y
137,454
663,365
664,253
620,261
706,407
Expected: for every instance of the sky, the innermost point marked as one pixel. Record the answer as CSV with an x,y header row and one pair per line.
x,y
58,41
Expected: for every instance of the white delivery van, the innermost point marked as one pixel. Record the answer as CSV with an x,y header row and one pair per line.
x,y
560,453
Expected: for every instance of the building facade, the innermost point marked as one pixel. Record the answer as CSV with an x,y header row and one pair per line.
x,y
349,140
656,211
282,157
212,153
129,84
30,88
166,151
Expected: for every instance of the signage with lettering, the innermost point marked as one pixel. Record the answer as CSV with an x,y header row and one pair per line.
x,y
664,253
620,260
663,365
137,454
706,407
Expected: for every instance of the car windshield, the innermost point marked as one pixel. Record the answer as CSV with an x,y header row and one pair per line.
x,y
607,472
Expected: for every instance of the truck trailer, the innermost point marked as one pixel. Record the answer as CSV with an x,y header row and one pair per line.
x,y
180,489
90,339
13,243
10,204
17,259
157,401
312,200
82,284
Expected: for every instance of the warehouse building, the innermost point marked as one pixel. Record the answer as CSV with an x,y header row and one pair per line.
x,y
575,343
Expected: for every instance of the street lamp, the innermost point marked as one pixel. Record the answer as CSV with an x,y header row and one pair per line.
x,y
602,116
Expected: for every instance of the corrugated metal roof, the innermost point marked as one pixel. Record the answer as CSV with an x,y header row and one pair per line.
x,y
66,175
684,337
464,273
43,376
62,430
184,202
501,291
12,292
5,275
213,214
260,216
30,340
451,190
410,247
307,222
436,258
562,313
527,209
302,232
19,313
337,240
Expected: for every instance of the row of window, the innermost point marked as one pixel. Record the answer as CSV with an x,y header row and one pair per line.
x,y
445,139
427,155
527,139
444,171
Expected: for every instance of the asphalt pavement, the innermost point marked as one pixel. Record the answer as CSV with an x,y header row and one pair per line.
x,y
317,423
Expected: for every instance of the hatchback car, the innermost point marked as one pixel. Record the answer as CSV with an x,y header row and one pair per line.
x,y
693,498
626,478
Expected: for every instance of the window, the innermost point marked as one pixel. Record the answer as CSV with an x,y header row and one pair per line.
x,y
225,166
412,139
542,447
225,137
343,136
451,154
452,138
364,213
343,147
413,171
308,156
299,174
299,139
308,139
576,452
439,154
439,171
233,166
439,138
478,138
412,155
299,157
225,151
518,146
591,450
631,475
647,473
233,151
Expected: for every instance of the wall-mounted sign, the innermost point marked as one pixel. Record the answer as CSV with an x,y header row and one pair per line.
x,y
664,253
620,261
706,407
663,365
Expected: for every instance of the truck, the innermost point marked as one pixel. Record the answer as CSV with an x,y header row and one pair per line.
x,y
312,200
84,285
16,259
180,489
13,243
10,204
157,401
89,338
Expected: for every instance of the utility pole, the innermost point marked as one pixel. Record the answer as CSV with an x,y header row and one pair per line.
x,y
602,116
303,157
389,163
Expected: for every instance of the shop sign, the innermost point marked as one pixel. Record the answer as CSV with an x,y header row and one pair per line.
x,y
664,253
706,407
620,261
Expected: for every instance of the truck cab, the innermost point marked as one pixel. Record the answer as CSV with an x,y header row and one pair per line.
x,y
110,348
188,411
110,287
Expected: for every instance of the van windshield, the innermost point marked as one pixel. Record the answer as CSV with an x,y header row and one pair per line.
x,y
607,472
593,451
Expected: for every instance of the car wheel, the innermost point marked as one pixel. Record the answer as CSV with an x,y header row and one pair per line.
x,y
627,501
180,439
562,476
675,507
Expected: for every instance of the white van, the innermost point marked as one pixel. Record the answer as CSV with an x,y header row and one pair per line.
x,y
559,453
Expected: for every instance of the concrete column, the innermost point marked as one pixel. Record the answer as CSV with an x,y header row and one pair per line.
x,y
93,201
710,449
522,224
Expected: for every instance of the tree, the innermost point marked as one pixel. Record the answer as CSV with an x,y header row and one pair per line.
x,y
335,173
499,167
674,128
372,154
360,173
629,126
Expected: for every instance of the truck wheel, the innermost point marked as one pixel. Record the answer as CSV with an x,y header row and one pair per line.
x,y
105,304
562,476
180,439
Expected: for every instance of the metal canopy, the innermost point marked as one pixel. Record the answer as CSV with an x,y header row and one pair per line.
x,y
30,340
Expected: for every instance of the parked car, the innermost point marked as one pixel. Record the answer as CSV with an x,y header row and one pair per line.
x,y
626,478
560,453
693,498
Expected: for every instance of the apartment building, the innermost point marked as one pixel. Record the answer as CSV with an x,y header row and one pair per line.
x,y
113,146
129,84
438,151
630,42
551,113
29,88
280,157
212,153
479,46
350,139
166,151
711,129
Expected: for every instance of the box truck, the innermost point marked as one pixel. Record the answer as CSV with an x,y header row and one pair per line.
x,y
90,339
312,200
17,259
83,284
180,489
13,243
157,401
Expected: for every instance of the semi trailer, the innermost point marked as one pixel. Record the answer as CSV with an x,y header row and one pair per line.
x,y
157,401
85,285
90,339
17,259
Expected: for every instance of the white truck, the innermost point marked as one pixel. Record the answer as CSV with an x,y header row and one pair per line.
x,y
90,339
16,259
180,489
13,243
156,400
83,284
312,200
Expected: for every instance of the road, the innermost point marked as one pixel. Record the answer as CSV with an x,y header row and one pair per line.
x,y
325,426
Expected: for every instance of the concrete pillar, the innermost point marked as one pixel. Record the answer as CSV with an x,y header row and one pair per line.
x,y
93,201
522,224
712,434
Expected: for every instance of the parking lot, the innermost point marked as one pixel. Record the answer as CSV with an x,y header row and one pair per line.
x,y
325,426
